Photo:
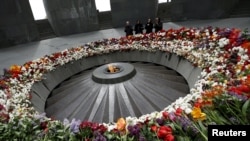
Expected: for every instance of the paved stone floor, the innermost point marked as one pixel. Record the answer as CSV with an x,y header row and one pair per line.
x,y
25,52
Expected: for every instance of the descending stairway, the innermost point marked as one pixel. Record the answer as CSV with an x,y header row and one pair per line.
x,y
105,20
152,89
242,9
45,30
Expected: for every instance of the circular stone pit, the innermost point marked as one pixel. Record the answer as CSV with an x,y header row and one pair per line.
x,y
113,73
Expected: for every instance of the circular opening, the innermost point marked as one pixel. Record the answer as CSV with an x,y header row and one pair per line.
x,y
112,69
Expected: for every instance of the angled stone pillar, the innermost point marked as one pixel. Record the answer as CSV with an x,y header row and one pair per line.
x,y
201,9
177,10
71,16
17,23
132,10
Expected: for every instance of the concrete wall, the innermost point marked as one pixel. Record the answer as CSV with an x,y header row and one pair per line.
x,y
164,11
201,9
71,16
132,10
17,23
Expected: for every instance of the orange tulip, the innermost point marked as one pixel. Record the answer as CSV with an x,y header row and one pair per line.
x,y
121,124
15,68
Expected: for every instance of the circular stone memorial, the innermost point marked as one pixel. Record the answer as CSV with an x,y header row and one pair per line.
x,y
119,89
113,73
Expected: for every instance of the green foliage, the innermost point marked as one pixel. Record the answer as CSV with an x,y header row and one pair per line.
x,y
24,129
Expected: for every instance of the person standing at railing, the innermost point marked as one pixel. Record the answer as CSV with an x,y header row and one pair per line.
x,y
149,26
158,24
138,27
128,29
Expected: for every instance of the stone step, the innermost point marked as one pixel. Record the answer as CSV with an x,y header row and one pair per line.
x,y
45,30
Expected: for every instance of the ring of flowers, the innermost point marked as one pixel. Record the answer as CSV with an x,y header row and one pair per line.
x,y
217,51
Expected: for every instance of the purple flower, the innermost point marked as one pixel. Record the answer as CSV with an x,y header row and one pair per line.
x,y
187,125
41,117
74,126
225,33
66,122
240,97
99,137
160,121
134,130
141,138
172,116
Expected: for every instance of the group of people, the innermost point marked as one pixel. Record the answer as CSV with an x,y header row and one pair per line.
x,y
138,27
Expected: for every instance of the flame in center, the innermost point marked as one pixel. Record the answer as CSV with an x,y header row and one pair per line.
x,y
112,68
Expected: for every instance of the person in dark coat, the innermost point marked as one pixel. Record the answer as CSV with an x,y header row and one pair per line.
x,y
138,27
149,26
128,29
158,24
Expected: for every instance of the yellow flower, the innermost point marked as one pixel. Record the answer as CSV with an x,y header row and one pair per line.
x,y
121,124
197,114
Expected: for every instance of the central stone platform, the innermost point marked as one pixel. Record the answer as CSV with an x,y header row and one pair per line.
x,y
113,73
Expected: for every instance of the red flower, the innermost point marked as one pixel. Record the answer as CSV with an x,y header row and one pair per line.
x,y
197,104
246,45
1,107
165,115
85,124
4,117
169,137
244,88
102,129
43,125
164,131
234,36
178,111
146,121
154,128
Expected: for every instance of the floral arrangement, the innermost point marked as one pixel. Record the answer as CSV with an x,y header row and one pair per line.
x,y
220,96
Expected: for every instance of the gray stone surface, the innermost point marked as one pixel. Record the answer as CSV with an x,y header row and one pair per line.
x,y
193,77
132,10
184,67
72,16
17,25
197,9
152,88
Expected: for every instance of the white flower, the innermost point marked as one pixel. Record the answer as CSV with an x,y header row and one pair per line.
x,y
131,120
188,110
109,126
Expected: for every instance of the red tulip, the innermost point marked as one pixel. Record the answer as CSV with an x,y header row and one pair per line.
x,y
165,114
169,137
164,131
154,128
244,88
178,111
